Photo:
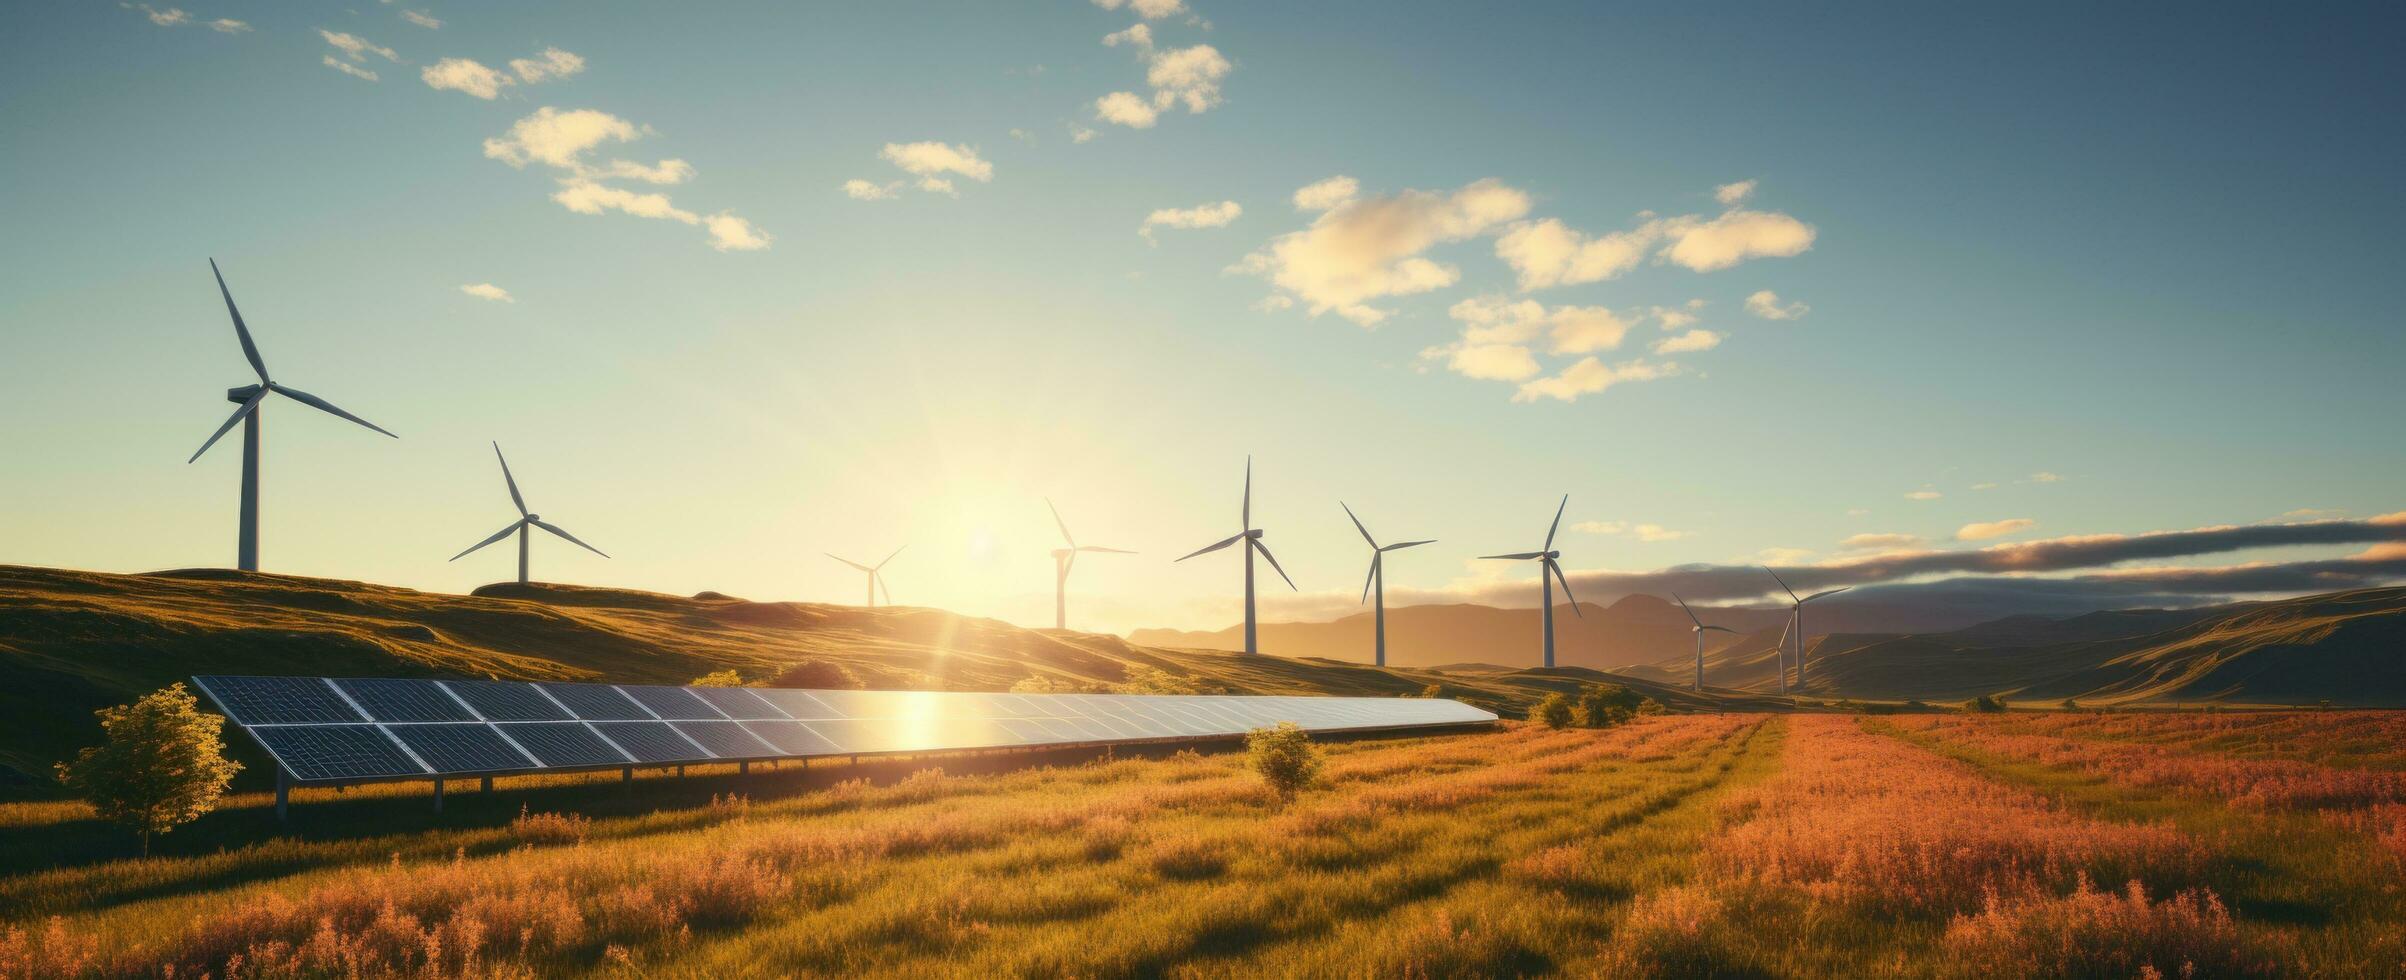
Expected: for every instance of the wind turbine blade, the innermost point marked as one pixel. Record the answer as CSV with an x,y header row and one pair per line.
x,y
1818,595
1408,544
1366,578
855,565
881,588
1783,584
323,405
1113,551
1248,516
1566,587
1523,556
555,529
1068,561
1683,607
1719,629
246,408
512,481
1265,552
1357,525
249,350
497,535
1557,525
1208,549
1062,524
897,551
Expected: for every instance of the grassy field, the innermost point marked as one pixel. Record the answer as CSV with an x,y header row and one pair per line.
x,y
1734,845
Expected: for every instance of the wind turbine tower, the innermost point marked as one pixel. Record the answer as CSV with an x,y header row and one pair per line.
x,y
1796,619
1377,583
876,573
1549,571
1251,536
526,521
1699,630
1062,559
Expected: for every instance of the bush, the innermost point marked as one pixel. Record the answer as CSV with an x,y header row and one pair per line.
x,y
162,766
1432,691
1554,710
718,678
1985,705
1048,684
818,675
2071,704
1284,757
1153,680
1607,705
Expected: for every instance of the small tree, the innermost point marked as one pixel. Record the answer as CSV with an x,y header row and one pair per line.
x,y
1553,710
1284,757
1984,704
2071,704
1606,705
818,675
1433,691
163,764
719,678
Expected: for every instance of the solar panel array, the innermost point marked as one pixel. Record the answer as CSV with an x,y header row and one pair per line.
x,y
350,729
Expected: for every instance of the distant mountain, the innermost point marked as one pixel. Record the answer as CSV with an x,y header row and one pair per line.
x,y
2348,647
1638,629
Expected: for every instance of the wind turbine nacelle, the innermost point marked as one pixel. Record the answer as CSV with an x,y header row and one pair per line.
x,y
1064,552
531,518
1553,555
1254,534
242,394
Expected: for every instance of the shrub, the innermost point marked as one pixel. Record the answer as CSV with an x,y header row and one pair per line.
x,y
1048,684
162,766
1984,704
718,678
2071,704
550,828
1433,691
1553,710
1284,757
1153,680
1606,705
818,675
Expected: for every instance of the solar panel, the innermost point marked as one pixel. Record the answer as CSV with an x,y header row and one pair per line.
x,y
324,752
357,729
738,702
564,744
595,702
386,699
469,747
651,741
507,701
671,703
278,700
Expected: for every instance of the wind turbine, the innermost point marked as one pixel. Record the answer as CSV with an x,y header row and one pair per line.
x,y
524,522
877,579
1780,650
1796,620
1378,581
1700,629
251,398
1062,559
1251,536
1547,564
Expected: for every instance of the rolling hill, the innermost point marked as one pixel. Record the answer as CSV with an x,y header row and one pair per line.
x,y
1638,629
72,642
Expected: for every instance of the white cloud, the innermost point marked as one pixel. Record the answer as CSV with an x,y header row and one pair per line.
x,y
1984,486
559,139
1370,248
170,17
1138,35
1766,304
729,233
1147,9
348,68
861,190
932,159
1989,530
1734,237
938,185
1126,109
1486,362
1693,340
586,197
1322,195
551,63
1731,195
1199,216
464,75
1022,135
1275,302
1590,376
486,290
1880,542
664,172
1549,253
228,25
1187,75
1642,532
2043,476
357,48
422,19
1675,317
1924,495
1080,134
1784,556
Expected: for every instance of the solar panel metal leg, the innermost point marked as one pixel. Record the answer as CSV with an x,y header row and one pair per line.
x,y
283,793
742,768
680,772
485,785
438,796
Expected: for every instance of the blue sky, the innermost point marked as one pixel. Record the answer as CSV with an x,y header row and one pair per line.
x,y
2151,255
